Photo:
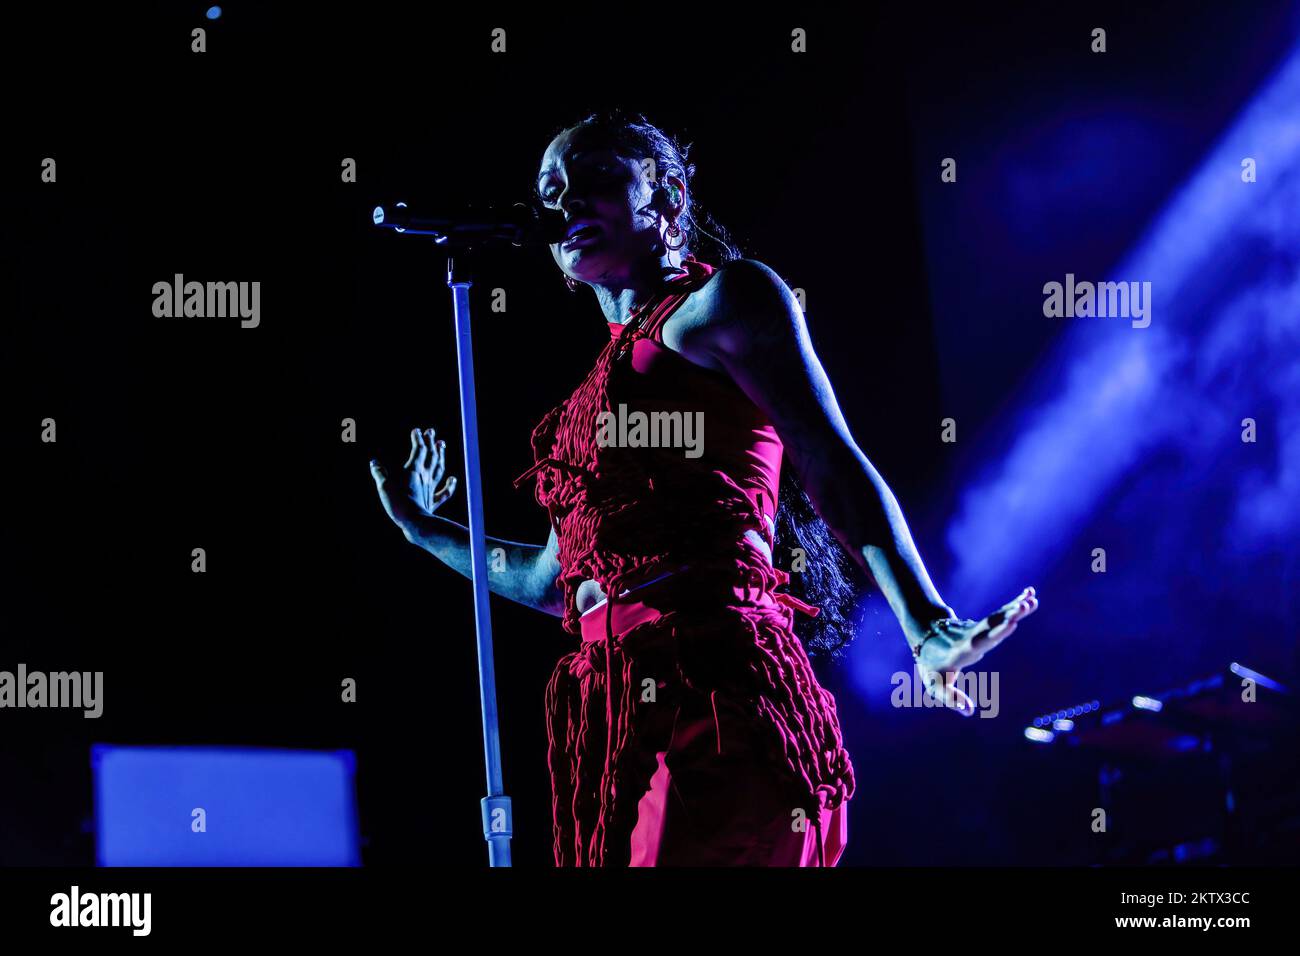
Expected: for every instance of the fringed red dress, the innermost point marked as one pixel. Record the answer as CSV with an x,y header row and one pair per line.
x,y
688,728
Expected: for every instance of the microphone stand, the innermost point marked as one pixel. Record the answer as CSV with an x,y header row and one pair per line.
x,y
529,224
497,823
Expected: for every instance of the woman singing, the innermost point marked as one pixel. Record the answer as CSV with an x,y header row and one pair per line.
x,y
688,727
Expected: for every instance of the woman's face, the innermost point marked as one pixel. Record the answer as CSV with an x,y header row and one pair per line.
x,y
606,201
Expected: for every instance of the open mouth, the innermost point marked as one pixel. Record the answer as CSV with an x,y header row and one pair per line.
x,y
579,234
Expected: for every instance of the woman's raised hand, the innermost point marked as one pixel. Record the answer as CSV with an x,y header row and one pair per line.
x,y
415,494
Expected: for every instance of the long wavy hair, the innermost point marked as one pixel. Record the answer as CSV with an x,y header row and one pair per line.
x,y
818,566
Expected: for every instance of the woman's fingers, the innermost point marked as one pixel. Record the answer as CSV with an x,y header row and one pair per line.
x,y
944,688
1002,622
957,699
424,459
391,507
447,490
427,452
439,460
378,472
1019,609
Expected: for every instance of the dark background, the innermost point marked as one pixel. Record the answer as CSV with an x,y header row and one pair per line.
x,y
176,434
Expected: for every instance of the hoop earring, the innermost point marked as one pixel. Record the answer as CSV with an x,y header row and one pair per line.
x,y
674,231
572,283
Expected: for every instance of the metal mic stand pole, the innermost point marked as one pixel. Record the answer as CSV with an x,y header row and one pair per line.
x,y
497,826
497,823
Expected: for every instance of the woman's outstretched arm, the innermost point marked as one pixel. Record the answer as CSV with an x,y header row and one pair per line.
x,y
752,328
528,575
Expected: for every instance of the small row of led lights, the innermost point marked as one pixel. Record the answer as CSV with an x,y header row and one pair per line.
x,y
1061,722
1066,716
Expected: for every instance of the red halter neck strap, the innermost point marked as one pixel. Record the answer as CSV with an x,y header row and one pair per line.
x,y
645,320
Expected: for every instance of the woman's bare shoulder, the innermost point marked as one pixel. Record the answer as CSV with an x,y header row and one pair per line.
x,y
743,299
743,296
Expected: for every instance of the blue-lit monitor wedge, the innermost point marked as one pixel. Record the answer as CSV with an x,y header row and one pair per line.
x,y
259,807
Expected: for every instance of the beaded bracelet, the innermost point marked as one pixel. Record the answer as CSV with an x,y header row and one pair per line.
x,y
941,625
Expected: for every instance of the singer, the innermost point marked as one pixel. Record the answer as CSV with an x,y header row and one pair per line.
x,y
688,727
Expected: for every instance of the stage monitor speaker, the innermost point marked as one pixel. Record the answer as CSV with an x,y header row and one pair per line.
x,y
224,806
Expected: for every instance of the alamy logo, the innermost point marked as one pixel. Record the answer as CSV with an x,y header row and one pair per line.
x,y
102,909
60,689
208,300
654,430
1122,300
980,686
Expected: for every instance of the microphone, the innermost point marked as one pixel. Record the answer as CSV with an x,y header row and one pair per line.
x,y
523,224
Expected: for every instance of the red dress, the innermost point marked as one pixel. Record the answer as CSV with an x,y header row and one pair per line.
x,y
688,728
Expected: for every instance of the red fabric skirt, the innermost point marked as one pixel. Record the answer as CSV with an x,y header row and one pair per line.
x,y
705,790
